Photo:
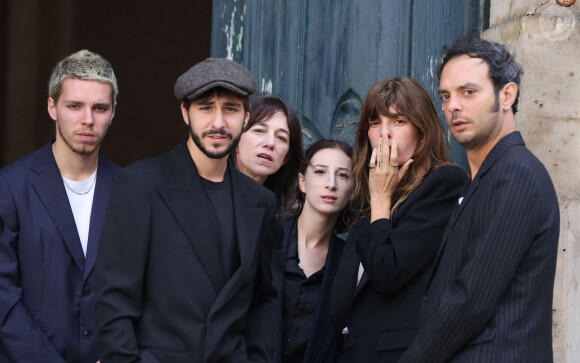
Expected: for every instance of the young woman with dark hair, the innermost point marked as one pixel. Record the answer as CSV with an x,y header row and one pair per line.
x,y
311,251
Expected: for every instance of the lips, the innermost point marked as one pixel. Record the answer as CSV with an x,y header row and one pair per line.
x,y
86,136
329,198
459,125
266,157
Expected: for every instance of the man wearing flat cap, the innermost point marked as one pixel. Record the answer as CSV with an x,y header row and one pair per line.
x,y
183,272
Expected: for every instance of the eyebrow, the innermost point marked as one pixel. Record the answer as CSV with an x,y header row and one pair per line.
x,y
326,166
98,104
463,86
264,124
233,104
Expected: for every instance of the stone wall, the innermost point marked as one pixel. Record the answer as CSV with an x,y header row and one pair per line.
x,y
545,38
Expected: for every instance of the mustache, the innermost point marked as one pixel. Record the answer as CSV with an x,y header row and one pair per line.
x,y
217,132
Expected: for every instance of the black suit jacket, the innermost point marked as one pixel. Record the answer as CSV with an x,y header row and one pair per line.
x,y
320,346
46,283
379,318
490,297
162,294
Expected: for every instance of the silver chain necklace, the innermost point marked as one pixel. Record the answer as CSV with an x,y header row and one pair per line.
x,y
85,192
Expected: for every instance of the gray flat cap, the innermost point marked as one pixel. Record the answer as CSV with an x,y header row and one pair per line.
x,y
214,72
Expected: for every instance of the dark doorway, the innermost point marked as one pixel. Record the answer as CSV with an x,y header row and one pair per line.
x,y
149,45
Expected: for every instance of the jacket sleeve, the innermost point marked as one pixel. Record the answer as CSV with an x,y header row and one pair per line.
x,y
262,321
393,257
20,335
120,268
509,215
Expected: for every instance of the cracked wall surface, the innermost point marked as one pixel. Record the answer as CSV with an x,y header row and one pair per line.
x,y
545,39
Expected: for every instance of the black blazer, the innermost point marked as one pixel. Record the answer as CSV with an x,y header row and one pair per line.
x,y
47,284
320,346
490,297
379,318
162,296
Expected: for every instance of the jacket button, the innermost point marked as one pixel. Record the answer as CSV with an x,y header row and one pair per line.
x,y
87,291
425,298
87,334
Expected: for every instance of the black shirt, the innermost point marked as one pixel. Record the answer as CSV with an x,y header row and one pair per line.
x,y
300,299
221,205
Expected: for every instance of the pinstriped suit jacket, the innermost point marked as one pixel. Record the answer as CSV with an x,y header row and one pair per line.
x,y
490,296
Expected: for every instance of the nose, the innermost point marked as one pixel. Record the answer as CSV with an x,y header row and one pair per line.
x,y
270,141
218,121
385,130
331,182
453,104
89,118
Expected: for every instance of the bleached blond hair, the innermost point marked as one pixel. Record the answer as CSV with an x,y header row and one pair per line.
x,y
83,65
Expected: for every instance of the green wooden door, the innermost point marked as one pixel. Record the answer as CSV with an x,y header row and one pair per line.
x,y
323,56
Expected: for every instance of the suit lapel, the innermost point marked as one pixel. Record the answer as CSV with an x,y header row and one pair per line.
x,y
188,204
105,175
48,184
248,223
498,150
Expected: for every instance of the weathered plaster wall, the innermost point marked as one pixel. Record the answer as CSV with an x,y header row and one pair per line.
x,y
545,38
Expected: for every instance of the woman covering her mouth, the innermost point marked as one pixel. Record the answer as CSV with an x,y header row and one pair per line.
x,y
270,148
406,188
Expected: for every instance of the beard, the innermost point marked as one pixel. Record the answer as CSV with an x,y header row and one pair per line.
x,y
83,149
214,154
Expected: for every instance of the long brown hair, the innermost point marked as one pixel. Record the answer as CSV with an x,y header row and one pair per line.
x,y
411,102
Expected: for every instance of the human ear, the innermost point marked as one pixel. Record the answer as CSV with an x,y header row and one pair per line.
x,y
301,183
51,106
508,95
184,113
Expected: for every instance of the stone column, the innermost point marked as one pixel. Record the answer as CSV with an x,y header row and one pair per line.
x,y
544,36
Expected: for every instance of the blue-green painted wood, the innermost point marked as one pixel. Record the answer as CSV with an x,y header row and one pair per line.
x,y
323,56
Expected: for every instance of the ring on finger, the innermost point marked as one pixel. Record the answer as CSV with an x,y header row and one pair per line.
x,y
371,166
393,165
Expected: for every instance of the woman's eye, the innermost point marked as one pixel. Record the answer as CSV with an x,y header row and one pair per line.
x,y
318,171
373,123
282,138
343,175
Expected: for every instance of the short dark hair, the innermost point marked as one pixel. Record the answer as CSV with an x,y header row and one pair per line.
x,y
503,69
343,222
217,91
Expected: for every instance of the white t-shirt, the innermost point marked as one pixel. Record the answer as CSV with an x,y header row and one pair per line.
x,y
80,196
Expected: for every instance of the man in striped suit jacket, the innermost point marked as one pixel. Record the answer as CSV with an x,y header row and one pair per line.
x,y
489,298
